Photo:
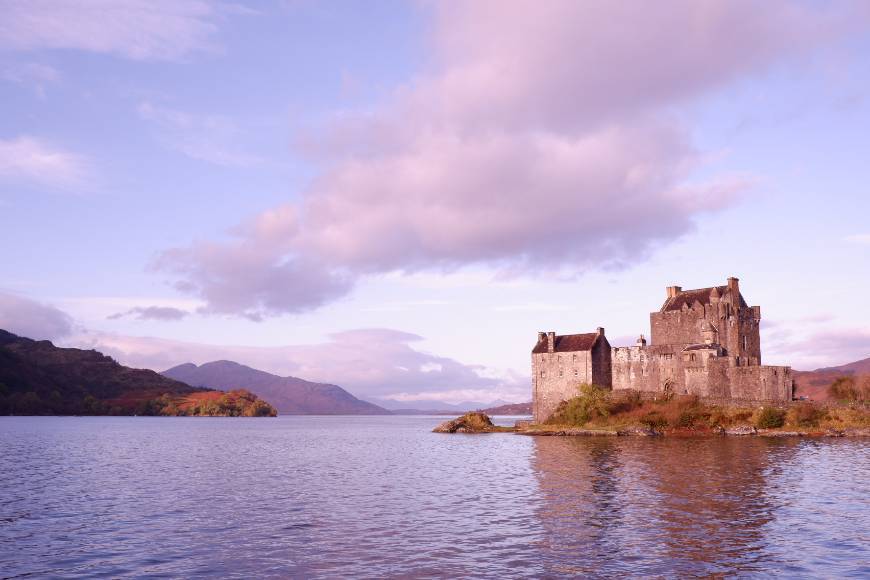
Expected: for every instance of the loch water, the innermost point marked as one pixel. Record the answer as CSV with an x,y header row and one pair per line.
x,y
358,497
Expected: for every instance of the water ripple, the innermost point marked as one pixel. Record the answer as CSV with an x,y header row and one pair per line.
x,y
338,497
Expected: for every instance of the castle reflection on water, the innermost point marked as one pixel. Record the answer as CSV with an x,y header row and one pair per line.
x,y
680,507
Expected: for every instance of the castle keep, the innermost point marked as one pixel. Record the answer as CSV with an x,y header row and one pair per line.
x,y
703,342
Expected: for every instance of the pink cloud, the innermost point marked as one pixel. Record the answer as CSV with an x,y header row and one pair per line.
x,y
379,363
32,319
541,139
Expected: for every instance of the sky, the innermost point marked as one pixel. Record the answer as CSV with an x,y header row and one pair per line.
x,y
397,196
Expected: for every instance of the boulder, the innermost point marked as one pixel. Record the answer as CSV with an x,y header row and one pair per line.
x,y
741,430
638,431
468,423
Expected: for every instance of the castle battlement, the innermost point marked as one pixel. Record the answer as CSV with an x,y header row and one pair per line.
x,y
704,342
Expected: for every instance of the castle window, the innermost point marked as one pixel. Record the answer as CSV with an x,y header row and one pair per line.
x,y
542,373
692,357
574,358
745,342
575,372
560,372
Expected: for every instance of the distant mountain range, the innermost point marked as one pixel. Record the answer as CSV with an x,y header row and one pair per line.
x,y
496,407
290,395
38,378
814,384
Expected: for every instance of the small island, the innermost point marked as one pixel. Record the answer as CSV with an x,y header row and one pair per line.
x,y
597,411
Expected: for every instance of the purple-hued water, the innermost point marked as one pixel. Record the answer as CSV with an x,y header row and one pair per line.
x,y
384,497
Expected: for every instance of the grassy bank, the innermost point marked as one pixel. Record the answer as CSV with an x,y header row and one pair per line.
x,y
597,409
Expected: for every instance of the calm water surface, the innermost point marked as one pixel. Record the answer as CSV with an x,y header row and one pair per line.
x,y
384,497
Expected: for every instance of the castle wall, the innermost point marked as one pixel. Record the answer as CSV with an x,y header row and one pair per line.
x,y
556,377
737,328
601,364
760,383
658,370
647,369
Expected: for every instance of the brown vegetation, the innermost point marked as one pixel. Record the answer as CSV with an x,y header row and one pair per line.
x,y
598,408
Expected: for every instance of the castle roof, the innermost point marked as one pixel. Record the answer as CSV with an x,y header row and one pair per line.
x,y
702,295
568,343
712,346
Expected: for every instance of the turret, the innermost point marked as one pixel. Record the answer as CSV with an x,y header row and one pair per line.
x,y
734,287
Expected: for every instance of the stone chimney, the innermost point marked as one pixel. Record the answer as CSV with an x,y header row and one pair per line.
x,y
674,290
600,331
551,341
541,336
734,284
641,342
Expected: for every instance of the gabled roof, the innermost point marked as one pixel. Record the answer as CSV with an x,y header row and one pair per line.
x,y
568,343
702,295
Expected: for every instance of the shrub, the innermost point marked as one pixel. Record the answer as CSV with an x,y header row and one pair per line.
x,y
687,418
770,418
654,420
844,389
592,403
805,415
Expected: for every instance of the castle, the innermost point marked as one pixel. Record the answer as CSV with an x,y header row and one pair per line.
x,y
704,342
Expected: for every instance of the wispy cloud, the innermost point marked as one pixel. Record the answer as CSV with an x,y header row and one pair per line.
x,y
378,362
859,239
211,138
163,313
134,29
34,75
34,160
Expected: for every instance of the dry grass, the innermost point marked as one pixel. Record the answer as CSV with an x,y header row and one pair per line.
x,y
597,408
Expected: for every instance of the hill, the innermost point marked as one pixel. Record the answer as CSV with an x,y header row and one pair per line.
x,y
290,395
510,409
814,384
38,378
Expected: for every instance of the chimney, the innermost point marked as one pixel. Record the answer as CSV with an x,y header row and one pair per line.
x,y
541,336
551,341
641,341
674,290
600,331
734,284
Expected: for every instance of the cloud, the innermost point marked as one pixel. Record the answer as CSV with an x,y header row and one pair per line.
x,y
31,74
859,239
30,159
151,313
134,29
32,319
541,139
380,363
208,138
813,342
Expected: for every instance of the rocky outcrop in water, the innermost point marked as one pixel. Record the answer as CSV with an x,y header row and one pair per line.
x,y
475,422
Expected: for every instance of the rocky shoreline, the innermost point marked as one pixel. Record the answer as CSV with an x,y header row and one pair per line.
x,y
481,423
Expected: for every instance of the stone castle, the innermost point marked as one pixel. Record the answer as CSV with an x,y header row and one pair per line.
x,y
704,342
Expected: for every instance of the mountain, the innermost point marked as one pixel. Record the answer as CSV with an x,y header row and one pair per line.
x,y
38,378
510,409
814,384
402,407
291,395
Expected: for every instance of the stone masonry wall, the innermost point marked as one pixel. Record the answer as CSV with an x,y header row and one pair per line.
x,y
556,377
